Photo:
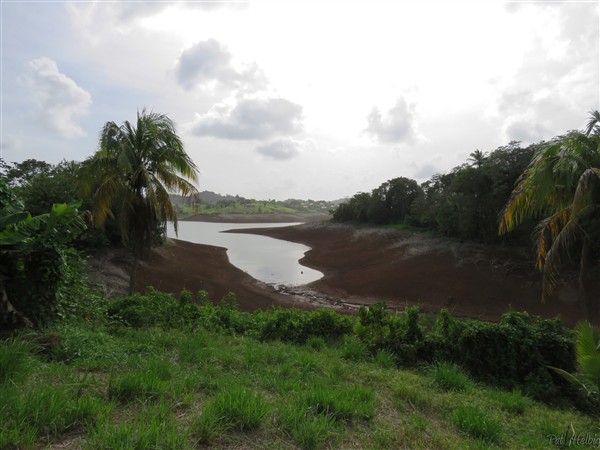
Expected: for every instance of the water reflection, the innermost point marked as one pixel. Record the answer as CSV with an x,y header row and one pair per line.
x,y
269,260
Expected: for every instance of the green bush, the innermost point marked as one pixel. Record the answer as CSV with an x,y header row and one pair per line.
x,y
150,309
292,325
399,334
513,353
354,349
316,343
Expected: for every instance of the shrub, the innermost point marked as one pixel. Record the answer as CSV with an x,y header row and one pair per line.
x,y
353,349
292,325
401,335
385,359
512,353
316,343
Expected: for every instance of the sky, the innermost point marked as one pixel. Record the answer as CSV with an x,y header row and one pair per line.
x,y
299,99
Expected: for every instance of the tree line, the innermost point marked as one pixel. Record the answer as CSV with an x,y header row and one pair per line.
x,y
547,193
463,203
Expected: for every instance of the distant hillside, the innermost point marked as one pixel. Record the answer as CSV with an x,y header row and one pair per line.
x,y
212,203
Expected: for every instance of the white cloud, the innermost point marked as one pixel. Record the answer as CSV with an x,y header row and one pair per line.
x,y
209,62
280,150
398,125
58,99
557,82
251,119
205,62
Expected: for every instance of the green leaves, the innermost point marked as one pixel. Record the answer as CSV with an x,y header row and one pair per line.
x,y
588,360
132,174
562,186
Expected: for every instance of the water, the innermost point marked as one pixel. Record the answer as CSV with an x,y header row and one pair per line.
x,y
269,260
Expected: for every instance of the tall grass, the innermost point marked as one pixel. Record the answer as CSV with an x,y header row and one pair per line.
x,y
449,377
15,360
236,407
156,427
477,423
45,410
307,429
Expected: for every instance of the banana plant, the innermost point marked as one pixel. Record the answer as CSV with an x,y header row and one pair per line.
x,y
21,235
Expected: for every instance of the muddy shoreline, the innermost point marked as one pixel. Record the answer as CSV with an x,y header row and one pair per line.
x,y
363,266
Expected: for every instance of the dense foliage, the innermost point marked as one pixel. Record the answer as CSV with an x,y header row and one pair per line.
x,y
37,262
561,186
131,176
463,203
513,353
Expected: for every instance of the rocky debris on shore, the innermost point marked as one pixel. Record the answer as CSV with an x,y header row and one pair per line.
x,y
305,295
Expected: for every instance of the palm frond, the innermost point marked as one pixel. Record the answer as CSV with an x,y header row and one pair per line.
x,y
133,171
570,378
558,251
593,125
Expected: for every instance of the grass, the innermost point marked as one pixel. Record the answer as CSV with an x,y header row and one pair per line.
x,y
477,423
512,402
15,360
148,388
234,408
449,377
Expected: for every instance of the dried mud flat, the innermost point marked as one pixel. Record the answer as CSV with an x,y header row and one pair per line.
x,y
366,265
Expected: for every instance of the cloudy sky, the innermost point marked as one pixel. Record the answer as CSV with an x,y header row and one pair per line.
x,y
299,99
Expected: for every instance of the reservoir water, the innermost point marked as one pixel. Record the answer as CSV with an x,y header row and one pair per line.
x,y
269,260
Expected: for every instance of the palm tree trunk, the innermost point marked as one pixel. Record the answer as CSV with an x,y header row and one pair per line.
x,y
590,303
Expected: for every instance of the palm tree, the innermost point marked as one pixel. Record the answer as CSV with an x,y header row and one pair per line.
x,y
132,174
477,158
562,185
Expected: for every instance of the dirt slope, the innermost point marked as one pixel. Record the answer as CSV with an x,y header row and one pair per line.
x,y
362,266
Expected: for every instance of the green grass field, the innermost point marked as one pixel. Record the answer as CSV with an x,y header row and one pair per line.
x,y
124,388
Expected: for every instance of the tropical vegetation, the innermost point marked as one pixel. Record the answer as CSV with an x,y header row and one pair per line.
x,y
131,176
155,371
561,185
550,190
34,268
587,348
